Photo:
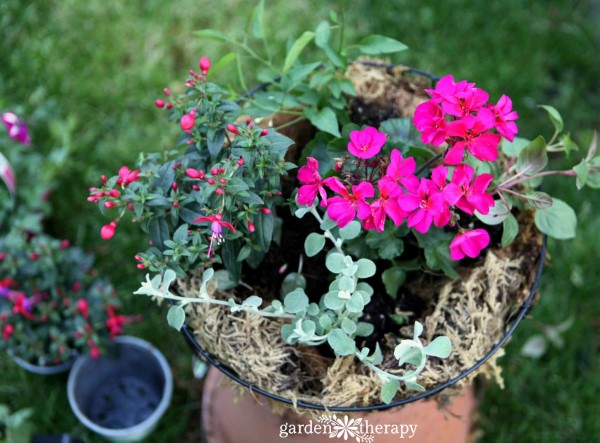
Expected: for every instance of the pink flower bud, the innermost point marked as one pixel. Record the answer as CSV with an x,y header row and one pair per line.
x,y
222,170
223,181
109,204
214,171
204,65
210,181
175,204
231,128
3,256
82,306
167,91
174,186
250,226
219,191
108,231
193,173
187,122
264,132
169,106
159,103
138,257
265,210
64,244
196,188
114,193
95,352
103,179
141,266
33,256
240,161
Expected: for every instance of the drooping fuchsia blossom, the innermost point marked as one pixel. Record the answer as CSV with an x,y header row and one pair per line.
x,y
204,65
429,120
469,243
115,323
311,184
108,231
385,205
16,128
127,176
366,143
216,227
505,117
344,207
424,205
472,133
402,170
469,196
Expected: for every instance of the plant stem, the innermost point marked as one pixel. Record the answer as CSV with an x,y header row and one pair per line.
x,y
337,242
429,162
512,182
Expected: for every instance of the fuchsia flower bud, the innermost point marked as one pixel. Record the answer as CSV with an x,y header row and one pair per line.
x,y
109,204
204,65
83,307
114,193
95,352
108,231
7,331
240,161
174,186
210,181
167,91
193,173
103,179
64,244
141,266
33,256
214,171
219,191
187,122
250,226
264,132
169,106
231,128
265,210
3,256
159,103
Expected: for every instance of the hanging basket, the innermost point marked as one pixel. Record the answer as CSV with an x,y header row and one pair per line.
x,y
478,312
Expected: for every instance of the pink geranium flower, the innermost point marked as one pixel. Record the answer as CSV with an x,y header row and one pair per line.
x,y
366,143
439,177
472,134
385,205
466,196
458,98
402,170
343,208
429,120
424,205
505,117
312,183
469,243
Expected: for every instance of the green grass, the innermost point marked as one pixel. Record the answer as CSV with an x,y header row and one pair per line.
x,y
87,73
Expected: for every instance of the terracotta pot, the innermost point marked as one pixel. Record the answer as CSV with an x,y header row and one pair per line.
x,y
228,417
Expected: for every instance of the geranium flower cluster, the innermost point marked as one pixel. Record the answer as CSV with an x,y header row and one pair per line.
x,y
377,187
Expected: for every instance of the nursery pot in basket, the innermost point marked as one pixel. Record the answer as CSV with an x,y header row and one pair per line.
x,y
122,395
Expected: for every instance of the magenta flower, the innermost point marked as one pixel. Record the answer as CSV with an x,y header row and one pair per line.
x,y
386,205
312,183
505,117
216,227
469,243
424,205
466,196
459,99
402,170
446,87
472,134
16,128
439,177
127,176
429,120
366,143
7,174
343,208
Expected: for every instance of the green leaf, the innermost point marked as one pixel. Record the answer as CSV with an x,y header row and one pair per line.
x,y
533,157
215,143
264,225
314,244
335,262
555,117
388,390
350,231
176,317
341,343
513,148
582,172
258,26
364,329
291,282
181,234
295,301
296,49
379,44
539,200
558,221
510,229
348,326
223,61
332,301
366,268
346,284
159,232
393,278
254,301
497,213
168,278
356,303
212,34
438,258
440,347
325,120
410,384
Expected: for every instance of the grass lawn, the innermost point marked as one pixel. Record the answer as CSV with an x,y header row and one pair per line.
x,y
86,73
